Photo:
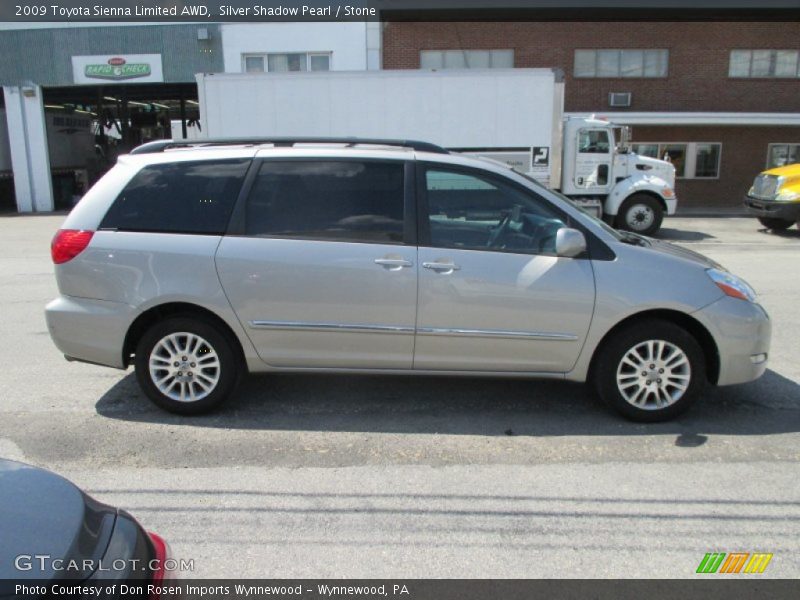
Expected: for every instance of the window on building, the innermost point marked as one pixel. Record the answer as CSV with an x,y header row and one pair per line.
x,y
764,63
466,59
692,160
284,62
346,201
675,154
621,63
779,155
254,64
706,160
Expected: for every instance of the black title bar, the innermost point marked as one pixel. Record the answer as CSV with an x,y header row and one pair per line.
x,y
395,10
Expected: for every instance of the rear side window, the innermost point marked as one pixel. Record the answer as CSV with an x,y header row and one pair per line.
x,y
342,200
184,197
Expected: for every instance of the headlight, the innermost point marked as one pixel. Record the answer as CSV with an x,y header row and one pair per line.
x,y
732,285
787,196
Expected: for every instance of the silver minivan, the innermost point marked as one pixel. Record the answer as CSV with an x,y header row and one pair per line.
x,y
197,262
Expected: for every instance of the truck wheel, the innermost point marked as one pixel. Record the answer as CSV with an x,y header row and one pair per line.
x,y
186,365
640,213
651,371
774,223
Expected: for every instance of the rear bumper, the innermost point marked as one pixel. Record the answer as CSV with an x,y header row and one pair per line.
x,y
789,211
742,331
89,330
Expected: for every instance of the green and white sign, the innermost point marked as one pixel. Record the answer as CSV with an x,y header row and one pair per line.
x,y
119,68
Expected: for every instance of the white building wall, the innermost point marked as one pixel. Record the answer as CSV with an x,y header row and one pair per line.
x,y
346,41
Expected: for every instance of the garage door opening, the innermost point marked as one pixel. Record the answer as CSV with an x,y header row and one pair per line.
x,y
88,127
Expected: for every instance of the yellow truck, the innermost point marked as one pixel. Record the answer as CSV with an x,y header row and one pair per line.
x,y
775,197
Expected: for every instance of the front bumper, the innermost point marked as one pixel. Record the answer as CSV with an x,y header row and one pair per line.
x,y
742,331
89,330
672,205
788,211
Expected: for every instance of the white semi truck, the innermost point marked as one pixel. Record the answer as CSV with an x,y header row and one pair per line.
x,y
512,115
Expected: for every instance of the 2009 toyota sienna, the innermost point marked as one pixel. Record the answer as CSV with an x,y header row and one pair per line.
x,y
199,261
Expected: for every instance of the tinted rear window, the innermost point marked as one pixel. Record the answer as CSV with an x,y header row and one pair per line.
x,y
349,201
184,197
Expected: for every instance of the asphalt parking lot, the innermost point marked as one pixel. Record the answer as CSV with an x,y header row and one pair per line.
x,y
334,476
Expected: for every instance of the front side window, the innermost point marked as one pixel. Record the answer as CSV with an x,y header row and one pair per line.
x,y
593,141
621,63
182,197
471,211
337,200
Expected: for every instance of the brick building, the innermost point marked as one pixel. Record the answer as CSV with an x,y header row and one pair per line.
x,y
721,99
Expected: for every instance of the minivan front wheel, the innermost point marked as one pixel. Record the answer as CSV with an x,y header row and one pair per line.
x,y
651,371
186,366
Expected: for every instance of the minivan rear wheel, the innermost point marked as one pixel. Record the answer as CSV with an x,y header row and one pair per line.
x,y
186,365
652,370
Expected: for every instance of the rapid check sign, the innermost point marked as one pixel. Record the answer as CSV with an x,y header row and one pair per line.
x,y
121,68
118,71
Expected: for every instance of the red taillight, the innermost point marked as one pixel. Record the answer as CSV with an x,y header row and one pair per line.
x,y
68,243
157,563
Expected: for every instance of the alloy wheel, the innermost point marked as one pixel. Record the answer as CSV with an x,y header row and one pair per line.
x,y
653,374
184,367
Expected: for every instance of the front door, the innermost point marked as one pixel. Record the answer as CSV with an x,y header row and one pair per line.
x,y
593,162
492,294
323,273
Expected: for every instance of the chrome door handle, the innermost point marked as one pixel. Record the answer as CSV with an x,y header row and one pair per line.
x,y
441,267
393,264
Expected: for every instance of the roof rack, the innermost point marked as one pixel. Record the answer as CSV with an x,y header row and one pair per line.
x,y
161,145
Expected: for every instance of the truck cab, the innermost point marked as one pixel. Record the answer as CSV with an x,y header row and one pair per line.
x,y
775,197
602,175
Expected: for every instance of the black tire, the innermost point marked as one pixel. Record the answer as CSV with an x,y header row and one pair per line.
x,y
774,223
639,205
226,375
609,364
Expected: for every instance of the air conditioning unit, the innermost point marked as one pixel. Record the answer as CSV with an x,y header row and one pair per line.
x,y
619,98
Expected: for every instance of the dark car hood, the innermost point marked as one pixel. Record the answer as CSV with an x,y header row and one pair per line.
x,y
45,515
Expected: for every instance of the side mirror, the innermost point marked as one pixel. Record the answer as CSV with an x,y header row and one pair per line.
x,y
570,242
